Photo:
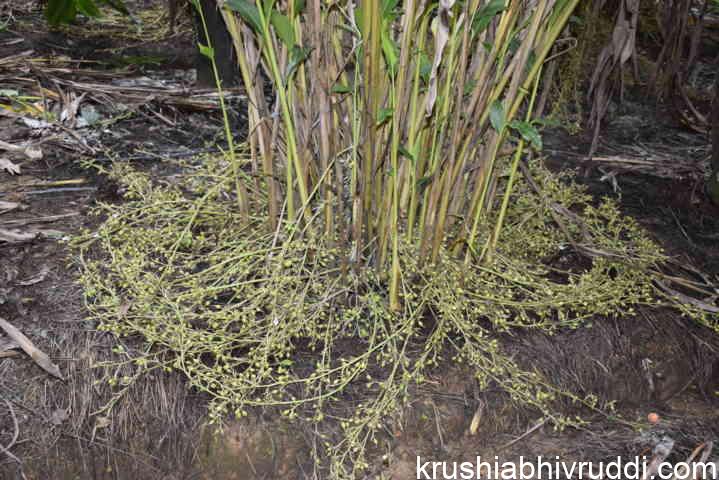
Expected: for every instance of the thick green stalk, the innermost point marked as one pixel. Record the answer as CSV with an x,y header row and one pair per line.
x,y
292,152
371,25
397,130
414,140
357,179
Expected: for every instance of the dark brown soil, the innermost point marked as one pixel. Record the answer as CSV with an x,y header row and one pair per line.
x,y
657,361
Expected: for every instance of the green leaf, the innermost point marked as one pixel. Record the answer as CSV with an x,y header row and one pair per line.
x,y
486,14
88,8
248,12
425,67
206,51
60,11
251,15
406,154
297,56
528,133
384,115
359,15
531,59
299,6
267,6
514,44
283,27
340,88
118,5
469,86
388,8
497,116
390,50
547,122
424,182
65,11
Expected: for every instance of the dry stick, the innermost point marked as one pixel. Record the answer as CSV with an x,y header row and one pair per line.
x,y
533,429
687,299
27,151
16,432
708,447
6,348
38,356
14,236
48,219
8,206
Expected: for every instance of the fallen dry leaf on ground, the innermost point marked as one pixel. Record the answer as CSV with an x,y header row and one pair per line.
x,y
10,167
31,153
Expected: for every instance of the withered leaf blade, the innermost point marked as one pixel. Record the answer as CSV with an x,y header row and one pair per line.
x,y
9,167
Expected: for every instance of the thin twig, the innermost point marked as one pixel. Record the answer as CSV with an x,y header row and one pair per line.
x,y
524,435
16,432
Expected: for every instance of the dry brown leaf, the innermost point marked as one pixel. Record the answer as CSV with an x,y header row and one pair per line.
x,y
30,152
440,30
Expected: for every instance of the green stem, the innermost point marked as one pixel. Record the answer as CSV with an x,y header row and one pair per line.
x,y
239,186
492,243
293,159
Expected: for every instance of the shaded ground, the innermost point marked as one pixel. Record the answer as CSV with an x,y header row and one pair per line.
x,y
655,362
